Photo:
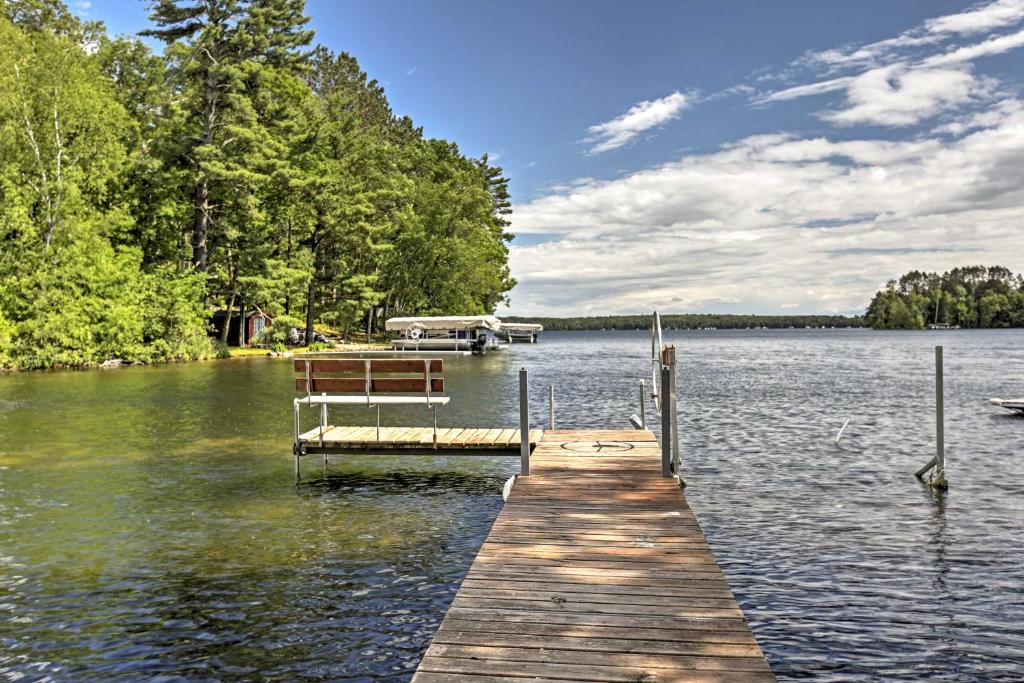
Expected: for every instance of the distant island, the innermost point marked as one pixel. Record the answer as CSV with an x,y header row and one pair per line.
x,y
969,297
694,321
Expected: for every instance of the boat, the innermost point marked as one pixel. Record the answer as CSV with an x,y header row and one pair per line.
x,y
1014,404
443,333
525,333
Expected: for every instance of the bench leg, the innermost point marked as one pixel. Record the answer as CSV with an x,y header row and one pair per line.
x,y
296,446
323,422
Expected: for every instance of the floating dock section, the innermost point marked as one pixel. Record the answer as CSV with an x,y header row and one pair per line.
x,y
413,440
595,570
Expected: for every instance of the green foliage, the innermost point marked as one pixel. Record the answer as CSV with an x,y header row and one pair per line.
x,y
138,192
277,334
974,296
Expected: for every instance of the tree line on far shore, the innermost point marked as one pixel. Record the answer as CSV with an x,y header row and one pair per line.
x,y
693,321
969,297
243,167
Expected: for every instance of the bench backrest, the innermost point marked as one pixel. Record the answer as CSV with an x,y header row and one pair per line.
x,y
369,376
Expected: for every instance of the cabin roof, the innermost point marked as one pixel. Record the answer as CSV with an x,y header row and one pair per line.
x,y
444,322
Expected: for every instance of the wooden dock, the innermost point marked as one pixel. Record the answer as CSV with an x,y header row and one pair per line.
x,y
595,570
411,440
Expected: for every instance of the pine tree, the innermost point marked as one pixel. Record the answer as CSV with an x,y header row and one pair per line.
x,y
220,52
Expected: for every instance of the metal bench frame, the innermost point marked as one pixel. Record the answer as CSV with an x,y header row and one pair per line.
x,y
368,397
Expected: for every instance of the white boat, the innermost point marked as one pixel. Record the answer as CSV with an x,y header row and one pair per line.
x,y
1014,404
443,333
522,332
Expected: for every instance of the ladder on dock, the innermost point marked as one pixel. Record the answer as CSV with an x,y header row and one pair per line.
x,y
595,570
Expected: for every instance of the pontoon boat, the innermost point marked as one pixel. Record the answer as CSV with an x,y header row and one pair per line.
x,y
442,333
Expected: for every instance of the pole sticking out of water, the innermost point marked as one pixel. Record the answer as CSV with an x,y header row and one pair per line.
x,y
551,405
938,478
643,405
841,430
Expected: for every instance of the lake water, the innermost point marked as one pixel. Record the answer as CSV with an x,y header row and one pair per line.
x,y
150,525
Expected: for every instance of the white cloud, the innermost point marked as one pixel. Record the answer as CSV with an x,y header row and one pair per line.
x,y
982,18
641,117
797,91
776,219
992,46
985,17
916,75
899,96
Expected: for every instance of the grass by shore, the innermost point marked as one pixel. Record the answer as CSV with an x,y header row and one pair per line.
x,y
248,352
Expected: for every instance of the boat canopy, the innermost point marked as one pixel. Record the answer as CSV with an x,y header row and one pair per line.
x,y
445,322
522,327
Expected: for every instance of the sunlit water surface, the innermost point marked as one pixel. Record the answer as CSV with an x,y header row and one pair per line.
x,y
150,526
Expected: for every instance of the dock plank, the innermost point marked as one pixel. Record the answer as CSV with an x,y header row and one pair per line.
x,y
472,440
595,570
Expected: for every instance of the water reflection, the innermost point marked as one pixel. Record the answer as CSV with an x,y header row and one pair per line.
x,y
150,524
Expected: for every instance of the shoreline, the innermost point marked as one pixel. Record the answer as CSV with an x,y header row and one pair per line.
x,y
233,353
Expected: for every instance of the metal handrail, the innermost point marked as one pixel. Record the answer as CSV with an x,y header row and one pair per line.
x,y
657,347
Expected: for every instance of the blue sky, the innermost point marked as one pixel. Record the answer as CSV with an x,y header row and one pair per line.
x,y
714,156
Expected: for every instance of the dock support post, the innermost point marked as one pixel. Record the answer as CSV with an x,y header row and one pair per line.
x,y
666,421
676,457
524,423
939,480
551,405
643,405
296,446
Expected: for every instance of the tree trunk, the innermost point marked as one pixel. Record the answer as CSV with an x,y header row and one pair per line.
x,y
242,323
369,324
230,307
310,296
227,318
200,223
288,262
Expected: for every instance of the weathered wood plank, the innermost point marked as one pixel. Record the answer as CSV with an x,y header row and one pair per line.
x,y
595,570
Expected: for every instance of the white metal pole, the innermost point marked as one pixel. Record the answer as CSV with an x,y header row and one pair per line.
x,y
940,427
551,405
643,404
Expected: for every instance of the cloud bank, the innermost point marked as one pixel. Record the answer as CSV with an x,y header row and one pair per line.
x,y
783,223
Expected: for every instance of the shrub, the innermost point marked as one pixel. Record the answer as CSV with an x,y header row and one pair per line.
x,y
277,332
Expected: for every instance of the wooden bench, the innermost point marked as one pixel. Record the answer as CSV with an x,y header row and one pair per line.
x,y
367,382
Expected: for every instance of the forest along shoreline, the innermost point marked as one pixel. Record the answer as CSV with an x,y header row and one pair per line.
x,y
243,168
247,171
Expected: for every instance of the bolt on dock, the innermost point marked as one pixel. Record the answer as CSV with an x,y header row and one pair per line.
x,y
595,570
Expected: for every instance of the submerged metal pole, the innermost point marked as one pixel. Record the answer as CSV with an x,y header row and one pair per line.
x,y
551,404
524,424
939,480
666,422
643,405
296,446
